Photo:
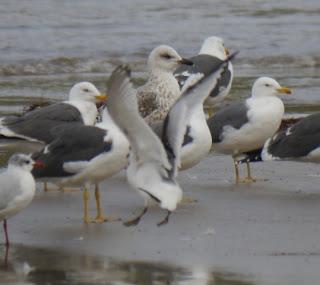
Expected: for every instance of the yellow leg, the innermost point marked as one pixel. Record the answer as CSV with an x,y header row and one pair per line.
x,y
100,218
86,197
236,170
249,178
45,187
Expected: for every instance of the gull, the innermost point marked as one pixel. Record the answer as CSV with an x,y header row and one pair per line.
x,y
212,53
17,188
161,90
37,124
84,155
154,163
300,142
245,126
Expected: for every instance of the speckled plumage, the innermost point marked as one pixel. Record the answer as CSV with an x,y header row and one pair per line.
x,y
162,89
157,96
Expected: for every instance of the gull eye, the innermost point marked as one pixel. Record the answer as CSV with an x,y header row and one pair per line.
x,y
267,85
85,90
166,56
27,161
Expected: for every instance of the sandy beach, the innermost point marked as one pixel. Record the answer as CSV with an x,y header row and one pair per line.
x,y
263,233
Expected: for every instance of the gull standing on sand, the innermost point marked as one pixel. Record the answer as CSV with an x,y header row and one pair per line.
x,y
161,90
85,155
212,53
243,127
153,165
17,187
36,125
300,142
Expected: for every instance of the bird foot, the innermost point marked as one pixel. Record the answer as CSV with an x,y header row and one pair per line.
x,y
103,219
249,179
131,223
188,200
165,220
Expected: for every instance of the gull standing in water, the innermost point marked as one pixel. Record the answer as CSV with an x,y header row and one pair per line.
x,y
212,53
17,187
153,165
36,125
243,127
162,89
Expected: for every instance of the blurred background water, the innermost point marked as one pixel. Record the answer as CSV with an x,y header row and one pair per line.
x,y
46,46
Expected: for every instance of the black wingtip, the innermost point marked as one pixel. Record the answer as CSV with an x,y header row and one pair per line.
x,y
123,68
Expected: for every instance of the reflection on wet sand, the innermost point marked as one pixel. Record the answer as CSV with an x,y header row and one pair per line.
x,y
31,265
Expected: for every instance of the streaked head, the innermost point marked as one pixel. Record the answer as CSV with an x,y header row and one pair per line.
x,y
23,161
86,91
214,46
165,58
266,86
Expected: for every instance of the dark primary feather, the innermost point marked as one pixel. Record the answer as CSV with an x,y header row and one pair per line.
x,y
75,142
299,140
38,123
234,115
204,63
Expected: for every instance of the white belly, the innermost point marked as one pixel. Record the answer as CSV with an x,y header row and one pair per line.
x,y
265,117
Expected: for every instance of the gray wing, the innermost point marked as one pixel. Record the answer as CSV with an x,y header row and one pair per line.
x,y
10,188
204,64
193,93
234,115
74,143
38,123
123,108
298,140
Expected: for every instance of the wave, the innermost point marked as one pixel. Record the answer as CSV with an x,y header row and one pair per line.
x,y
69,65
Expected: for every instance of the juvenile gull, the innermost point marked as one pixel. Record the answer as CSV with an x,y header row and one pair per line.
x,y
84,155
37,124
212,53
161,90
197,138
243,127
153,164
17,187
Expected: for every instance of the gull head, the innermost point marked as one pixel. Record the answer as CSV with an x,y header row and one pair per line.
x,y
166,59
24,161
214,46
86,91
267,87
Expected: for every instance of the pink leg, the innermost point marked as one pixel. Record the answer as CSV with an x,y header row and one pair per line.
x,y
5,227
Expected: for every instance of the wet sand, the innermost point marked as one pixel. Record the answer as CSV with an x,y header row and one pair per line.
x,y
263,233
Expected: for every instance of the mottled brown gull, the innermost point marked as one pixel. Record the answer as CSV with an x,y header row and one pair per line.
x,y
162,89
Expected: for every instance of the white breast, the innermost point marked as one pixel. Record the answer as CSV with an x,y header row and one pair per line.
x,y
192,153
264,116
88,111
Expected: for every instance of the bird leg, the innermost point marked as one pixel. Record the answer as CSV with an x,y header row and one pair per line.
x,y
249,178
136,220
5,228
165,220
86,197
236,169
100,218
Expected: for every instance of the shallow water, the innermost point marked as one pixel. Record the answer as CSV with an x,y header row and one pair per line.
x,y
32,265
46,46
